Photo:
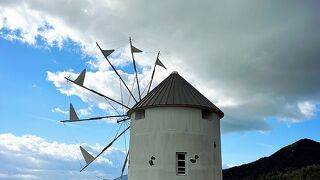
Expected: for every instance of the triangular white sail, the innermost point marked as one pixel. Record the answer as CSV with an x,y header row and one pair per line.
x,y
87,156
159,63
80,78
107,52
135,50
72,114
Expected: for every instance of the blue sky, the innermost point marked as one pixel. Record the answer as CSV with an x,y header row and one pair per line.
x,y
28,100
260,68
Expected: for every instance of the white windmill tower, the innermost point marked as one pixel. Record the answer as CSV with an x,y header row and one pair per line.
x,y
175,134
174,129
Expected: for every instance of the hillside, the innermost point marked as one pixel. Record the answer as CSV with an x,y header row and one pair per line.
x,y
296,156
307,173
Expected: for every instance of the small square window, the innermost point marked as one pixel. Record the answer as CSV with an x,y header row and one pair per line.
x,y
181,163
140,114
206,114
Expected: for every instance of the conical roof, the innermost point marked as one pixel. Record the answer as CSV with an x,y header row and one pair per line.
x,y
175,91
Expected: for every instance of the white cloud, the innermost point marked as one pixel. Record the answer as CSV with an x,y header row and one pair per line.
x,y
17,176
109,86
82,112
244,61
27,24
299,112
59,110
307,109
32,157
227,166
85,111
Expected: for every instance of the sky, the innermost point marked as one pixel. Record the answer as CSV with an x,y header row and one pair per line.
x,y
258,61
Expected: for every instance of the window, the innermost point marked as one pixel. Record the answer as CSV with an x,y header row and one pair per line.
x,y
206,114
140,114
181,158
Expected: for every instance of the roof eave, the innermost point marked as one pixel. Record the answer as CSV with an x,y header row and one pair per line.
x,y
215,110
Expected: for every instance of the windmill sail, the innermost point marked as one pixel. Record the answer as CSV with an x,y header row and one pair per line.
x,y
114,69
104,96
87,156
135,50
72,114
104,149
107,52
159,63
80,78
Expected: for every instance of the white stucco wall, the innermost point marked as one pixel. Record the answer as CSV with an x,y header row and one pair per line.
x,y
167,130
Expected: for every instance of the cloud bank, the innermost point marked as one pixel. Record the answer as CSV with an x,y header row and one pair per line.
x,y
255,60
32,157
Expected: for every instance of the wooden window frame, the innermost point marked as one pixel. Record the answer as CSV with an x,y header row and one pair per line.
x,y
185,167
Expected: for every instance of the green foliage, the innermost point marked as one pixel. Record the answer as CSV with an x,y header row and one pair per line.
x,y
306,173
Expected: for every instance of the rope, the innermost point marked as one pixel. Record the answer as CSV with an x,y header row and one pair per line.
x,y
121,95
145,88
112,106
71,137
134,80
118,131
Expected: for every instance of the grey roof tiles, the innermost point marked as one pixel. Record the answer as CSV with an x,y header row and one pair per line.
x,y
175,91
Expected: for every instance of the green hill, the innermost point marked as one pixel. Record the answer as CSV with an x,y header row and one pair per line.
x,y
307,173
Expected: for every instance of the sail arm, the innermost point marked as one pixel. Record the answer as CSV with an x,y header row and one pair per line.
x,y
154,70
114,69
134,65
124,165
94,118
98,93
104,149
121,120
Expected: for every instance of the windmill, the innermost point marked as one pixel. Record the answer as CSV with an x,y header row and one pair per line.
x,y
79,81
174,129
